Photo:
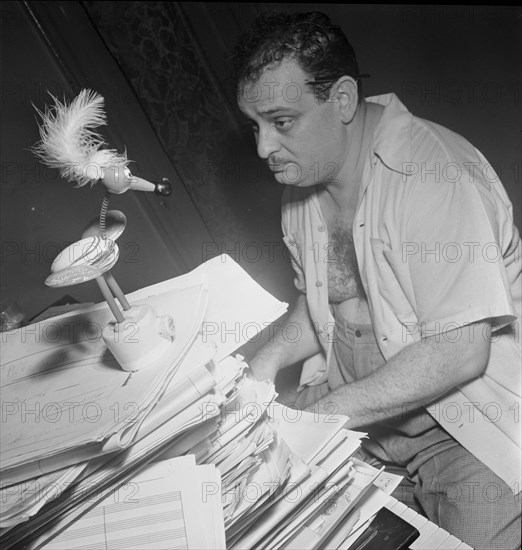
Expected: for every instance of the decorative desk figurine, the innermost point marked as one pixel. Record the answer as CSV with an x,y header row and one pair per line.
x,y
70,143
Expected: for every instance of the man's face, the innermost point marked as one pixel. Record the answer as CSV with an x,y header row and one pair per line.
x,y
302,140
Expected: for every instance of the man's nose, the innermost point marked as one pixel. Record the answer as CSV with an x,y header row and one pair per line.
x,y
267,143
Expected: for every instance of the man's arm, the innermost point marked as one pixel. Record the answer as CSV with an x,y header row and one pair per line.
x,y
284,349
418,374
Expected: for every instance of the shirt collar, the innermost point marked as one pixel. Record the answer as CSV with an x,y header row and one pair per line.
x,y
392,137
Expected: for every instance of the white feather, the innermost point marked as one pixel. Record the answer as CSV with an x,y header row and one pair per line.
x,y
69,142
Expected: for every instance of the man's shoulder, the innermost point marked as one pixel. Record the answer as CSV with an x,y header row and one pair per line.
x,y
405,133
430,139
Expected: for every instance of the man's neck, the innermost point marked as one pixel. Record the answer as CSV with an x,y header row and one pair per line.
x,y
344,191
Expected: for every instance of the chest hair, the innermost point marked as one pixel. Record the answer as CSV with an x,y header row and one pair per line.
x,y
344,281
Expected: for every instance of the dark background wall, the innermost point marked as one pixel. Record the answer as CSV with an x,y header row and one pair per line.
x,y
458,66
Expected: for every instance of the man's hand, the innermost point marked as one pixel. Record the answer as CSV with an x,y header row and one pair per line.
x,y
280,352
263,368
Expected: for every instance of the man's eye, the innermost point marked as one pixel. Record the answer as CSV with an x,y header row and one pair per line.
x,y
284,124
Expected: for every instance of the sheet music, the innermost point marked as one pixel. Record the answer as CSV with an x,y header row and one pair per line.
x,y
164,507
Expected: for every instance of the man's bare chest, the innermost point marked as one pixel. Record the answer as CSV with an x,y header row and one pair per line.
x,y
344,281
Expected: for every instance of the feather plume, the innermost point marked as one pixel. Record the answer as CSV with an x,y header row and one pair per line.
x,y
69,142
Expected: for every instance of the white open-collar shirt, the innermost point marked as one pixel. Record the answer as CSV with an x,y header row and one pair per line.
x,y
437,250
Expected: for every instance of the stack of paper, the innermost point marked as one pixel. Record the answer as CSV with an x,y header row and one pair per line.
x,y
65,399
252,462
320,492
189,401
176,409
194,423
182,414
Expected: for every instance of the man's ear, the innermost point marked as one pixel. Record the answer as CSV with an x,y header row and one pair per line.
x,y
345,94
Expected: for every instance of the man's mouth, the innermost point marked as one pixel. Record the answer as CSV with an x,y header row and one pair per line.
x,y
279,167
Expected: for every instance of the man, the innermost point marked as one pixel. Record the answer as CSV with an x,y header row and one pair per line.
x,y
408,322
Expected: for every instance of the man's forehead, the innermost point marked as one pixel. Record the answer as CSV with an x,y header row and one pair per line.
x,y
284,84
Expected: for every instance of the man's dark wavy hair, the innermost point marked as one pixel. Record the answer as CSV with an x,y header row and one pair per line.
x,y
320,47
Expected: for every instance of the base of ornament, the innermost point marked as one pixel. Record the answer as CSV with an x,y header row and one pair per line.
x,y
141,339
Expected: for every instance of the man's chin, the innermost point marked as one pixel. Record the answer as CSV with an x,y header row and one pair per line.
x,y
282,178
293,183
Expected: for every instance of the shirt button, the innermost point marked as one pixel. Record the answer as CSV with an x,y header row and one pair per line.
x,y
358,333
318,284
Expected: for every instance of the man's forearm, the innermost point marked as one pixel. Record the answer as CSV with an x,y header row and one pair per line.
x,y
293,342
417,375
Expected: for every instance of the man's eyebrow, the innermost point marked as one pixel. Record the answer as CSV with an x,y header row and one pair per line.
x,y
247,120
273,110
